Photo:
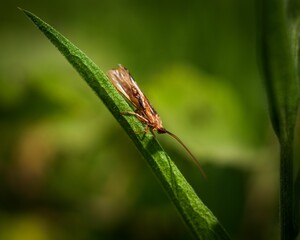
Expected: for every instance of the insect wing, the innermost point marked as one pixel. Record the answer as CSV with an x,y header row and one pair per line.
x,y
124,83
121,81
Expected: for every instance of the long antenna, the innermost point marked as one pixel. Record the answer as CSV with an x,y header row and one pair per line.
x,y
189,152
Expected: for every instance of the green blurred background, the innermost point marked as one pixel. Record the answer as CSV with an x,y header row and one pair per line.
x,y
67,169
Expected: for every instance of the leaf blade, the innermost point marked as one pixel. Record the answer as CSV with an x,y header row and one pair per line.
x,y
200,220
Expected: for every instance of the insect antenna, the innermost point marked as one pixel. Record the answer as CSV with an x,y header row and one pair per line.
x,y
189,152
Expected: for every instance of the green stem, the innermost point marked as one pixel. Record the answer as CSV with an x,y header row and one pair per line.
x,y
286,192
280,58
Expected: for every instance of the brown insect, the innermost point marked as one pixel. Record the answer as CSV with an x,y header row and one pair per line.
x,y
125,84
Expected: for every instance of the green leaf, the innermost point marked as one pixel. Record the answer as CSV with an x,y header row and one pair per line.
x,y
200,220
280,66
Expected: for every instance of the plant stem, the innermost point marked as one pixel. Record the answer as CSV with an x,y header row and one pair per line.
x,y
286,192
279,59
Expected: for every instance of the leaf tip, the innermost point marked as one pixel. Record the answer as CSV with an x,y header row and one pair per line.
x,y
21,9
27,13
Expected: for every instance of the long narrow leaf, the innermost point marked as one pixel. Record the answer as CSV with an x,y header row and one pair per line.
x,y
197,216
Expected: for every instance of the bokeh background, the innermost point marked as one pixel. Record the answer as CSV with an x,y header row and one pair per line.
x,y
67,169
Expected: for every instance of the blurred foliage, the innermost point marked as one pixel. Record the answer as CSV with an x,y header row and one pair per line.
x,y
67,171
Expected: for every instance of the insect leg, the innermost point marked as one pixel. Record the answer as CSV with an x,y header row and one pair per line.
x,y
152,131
140,117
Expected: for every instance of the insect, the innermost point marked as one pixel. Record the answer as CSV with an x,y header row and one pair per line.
x,y
125,84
